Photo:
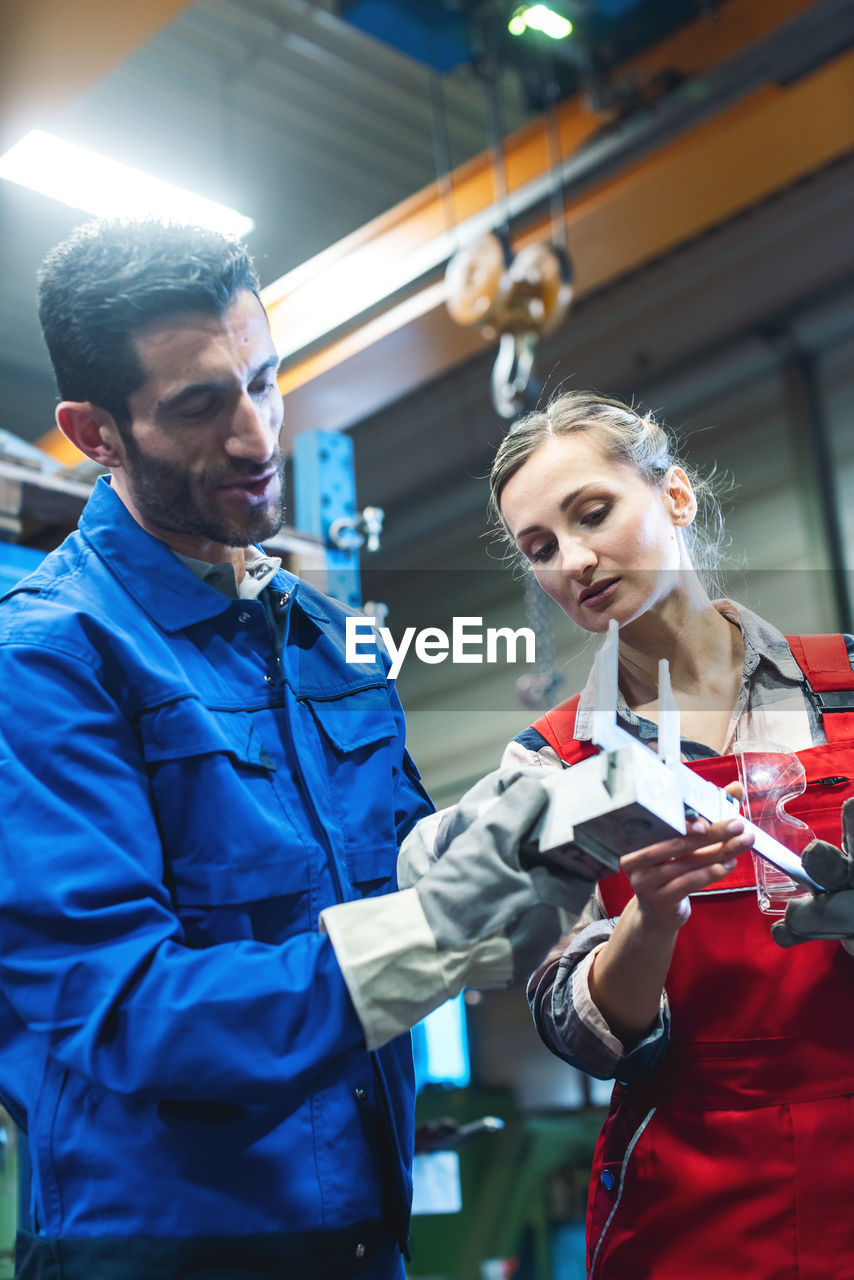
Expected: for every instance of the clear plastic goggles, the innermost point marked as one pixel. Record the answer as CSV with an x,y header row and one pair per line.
x,y
772,777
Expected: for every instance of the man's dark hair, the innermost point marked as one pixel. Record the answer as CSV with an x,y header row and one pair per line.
x,y
108,280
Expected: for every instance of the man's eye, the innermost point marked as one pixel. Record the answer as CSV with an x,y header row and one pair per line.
x,y
262,388
196,410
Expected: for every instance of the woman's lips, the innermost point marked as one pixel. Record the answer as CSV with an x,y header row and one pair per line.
x,y
599,593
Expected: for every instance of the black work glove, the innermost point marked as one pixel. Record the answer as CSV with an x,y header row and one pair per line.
x,y
828,914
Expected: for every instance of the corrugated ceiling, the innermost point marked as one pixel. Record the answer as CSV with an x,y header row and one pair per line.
x,y
278,107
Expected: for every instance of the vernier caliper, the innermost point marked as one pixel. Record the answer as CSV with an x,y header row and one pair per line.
x,y
629,796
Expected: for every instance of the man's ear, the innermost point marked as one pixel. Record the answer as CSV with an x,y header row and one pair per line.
x,y
91,430
680,496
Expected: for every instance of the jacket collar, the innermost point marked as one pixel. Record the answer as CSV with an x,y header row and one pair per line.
x,y
152,574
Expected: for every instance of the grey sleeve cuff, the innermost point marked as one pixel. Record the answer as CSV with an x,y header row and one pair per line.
x,y
647,1054
570,1023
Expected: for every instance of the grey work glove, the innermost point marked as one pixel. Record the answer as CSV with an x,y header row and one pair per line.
x,y
479,887
470,917
828,914
429,839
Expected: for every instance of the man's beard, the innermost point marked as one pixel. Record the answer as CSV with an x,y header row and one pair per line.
x,y
166,496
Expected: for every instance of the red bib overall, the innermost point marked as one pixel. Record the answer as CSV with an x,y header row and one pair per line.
x,y
735,1159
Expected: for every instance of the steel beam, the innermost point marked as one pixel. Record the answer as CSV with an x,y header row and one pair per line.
x,y
364,323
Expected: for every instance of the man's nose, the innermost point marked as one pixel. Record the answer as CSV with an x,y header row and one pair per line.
x,y
252,433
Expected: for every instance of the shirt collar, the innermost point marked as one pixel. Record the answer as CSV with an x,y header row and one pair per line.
x,y
260,571
762,642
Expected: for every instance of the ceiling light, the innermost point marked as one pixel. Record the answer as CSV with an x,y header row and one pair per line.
x,y
86,180
539,17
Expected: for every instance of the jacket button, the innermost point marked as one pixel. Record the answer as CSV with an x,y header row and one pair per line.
x,y
361,1094
283,600
244,617
607,1179
361,1250
268,679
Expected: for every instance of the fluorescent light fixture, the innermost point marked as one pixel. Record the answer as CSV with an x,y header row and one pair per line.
x,y
85,180
539,17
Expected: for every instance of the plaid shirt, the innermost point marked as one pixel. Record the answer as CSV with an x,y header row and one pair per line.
x,y
774,704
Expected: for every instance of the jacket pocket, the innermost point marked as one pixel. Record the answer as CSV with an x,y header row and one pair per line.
x,y
50,1145
226,838
357,735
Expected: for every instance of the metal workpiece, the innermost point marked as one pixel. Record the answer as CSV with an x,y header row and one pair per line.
x,y
605,807
630,796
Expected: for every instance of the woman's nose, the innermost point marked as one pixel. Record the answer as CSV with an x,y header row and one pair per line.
x,y
577,558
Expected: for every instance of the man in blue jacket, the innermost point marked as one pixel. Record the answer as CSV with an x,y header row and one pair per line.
x,y
206,971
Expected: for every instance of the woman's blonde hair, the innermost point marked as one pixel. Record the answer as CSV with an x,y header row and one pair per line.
x,y
626,436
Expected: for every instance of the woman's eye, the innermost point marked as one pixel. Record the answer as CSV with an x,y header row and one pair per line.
x,y
539,555
597,515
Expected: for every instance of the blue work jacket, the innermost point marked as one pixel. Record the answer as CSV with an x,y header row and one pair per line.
x,y
177,808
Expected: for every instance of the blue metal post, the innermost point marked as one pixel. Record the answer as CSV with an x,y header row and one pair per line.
x,y
325,491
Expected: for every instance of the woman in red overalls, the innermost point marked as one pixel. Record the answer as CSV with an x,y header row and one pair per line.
x,y
728,1151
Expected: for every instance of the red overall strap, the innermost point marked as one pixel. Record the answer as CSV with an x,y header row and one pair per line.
x,y
825,663
822,658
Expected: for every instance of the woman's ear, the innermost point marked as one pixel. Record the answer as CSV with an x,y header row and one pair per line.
x,y
91,430
679,496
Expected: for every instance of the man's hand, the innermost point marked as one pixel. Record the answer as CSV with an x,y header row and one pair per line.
x,y
830,913
474,916
529,936
478,886
430,837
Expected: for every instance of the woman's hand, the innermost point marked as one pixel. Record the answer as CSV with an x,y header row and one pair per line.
x,y
663,875
627,976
